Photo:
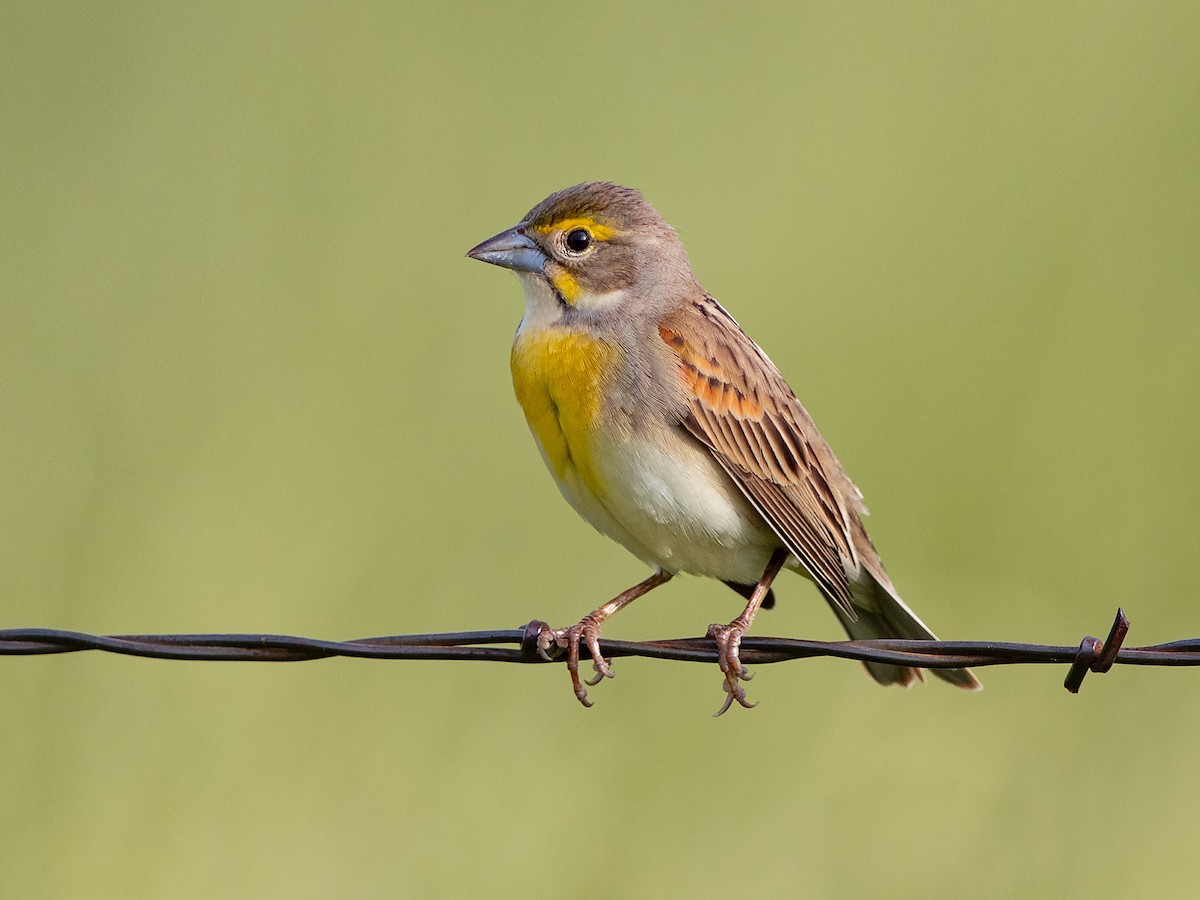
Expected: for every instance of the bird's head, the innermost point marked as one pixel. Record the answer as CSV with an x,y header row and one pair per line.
x,y
593,247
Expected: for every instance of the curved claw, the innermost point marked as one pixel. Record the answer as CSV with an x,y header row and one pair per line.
x,y
729,640
581,695
550,637
736,693
724,706
569,639
591,636
571,636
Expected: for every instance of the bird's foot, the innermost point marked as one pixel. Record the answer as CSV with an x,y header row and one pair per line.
x,y
729,641
588,628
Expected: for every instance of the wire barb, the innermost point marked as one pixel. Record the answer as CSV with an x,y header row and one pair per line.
x,y
1091,655
1096,655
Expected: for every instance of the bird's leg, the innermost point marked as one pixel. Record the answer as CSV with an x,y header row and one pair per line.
x,y
588,628
729,637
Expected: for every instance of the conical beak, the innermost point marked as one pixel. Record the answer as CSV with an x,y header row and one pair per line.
x,y
512,250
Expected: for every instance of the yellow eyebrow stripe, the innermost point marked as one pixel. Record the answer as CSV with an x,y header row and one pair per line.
x,y
599,231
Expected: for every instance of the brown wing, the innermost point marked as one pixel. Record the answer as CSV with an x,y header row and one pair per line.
x,y
745,413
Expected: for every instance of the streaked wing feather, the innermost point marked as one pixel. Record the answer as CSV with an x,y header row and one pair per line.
x,y
745,413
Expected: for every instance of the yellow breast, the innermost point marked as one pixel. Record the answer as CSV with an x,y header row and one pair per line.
x,y
559,377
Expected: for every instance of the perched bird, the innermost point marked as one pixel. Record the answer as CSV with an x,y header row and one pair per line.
x,y
671,432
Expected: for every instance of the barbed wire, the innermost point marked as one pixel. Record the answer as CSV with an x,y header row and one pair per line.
x,y
1091,655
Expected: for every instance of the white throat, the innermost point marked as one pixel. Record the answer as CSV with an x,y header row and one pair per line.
x,y
543,308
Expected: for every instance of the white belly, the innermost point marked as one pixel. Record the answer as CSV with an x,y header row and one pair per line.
x,y
671,505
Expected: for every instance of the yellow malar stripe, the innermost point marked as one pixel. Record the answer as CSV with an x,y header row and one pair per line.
x,y
566,285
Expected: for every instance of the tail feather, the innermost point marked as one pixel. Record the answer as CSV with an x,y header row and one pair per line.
x,y
881,614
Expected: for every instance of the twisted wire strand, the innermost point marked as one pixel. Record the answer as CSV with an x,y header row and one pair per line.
x,y
1091,655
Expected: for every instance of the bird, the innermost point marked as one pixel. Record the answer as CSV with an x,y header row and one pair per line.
x,y
670,431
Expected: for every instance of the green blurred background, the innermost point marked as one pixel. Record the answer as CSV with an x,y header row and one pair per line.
x,y
249,383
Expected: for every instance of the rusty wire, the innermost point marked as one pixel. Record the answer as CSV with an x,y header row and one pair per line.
x,y
1091,655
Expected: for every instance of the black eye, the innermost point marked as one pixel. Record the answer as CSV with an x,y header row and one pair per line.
x,y
578,240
